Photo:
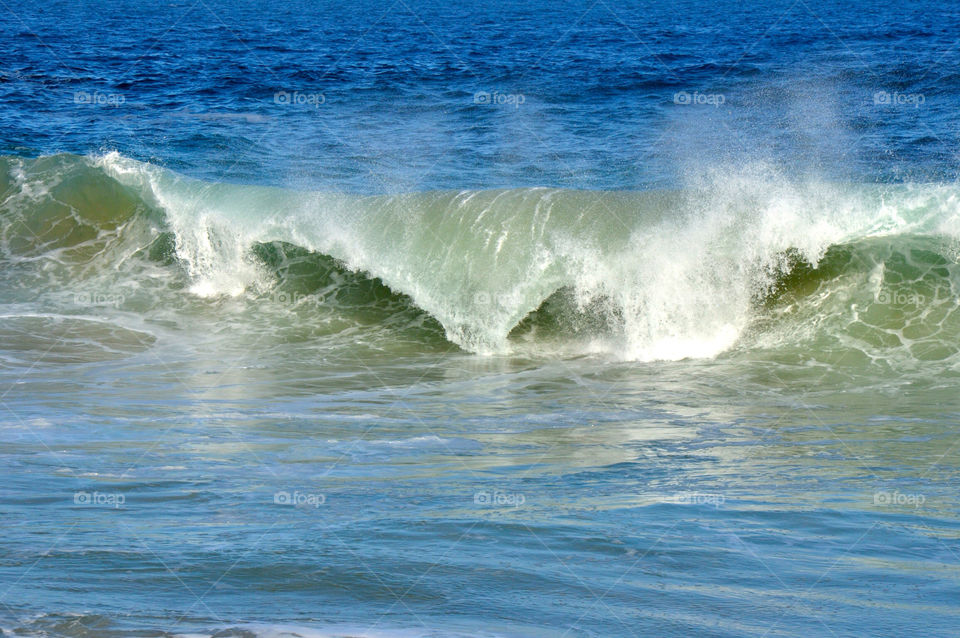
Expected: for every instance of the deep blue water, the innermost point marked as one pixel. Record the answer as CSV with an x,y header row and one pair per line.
x,y
258,379
398,82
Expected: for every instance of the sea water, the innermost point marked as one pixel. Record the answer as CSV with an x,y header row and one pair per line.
x,y
479,319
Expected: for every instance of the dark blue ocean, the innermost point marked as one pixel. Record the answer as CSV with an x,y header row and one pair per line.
x,y
420,319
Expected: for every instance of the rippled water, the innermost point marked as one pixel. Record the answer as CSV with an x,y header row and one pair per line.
x,y
507,319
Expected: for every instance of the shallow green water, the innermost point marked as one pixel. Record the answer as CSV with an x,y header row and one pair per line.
x,y
218,422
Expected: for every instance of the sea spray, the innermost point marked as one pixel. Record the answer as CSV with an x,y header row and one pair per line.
x,y
642,276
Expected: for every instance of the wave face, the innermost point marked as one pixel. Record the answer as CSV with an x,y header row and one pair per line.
x,y
733,262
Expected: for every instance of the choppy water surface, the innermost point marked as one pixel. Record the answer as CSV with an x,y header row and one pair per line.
x,y
438,319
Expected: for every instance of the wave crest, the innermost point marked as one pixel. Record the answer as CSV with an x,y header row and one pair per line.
x,y
637,275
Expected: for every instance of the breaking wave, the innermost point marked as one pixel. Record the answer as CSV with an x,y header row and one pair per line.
x,y
749,259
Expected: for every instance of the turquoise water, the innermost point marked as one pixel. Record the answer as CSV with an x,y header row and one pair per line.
x,y
212,430
452,320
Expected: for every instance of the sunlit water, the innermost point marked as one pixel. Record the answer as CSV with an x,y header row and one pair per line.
x,y
491,334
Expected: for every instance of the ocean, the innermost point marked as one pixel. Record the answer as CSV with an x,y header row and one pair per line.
x,y
502,319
